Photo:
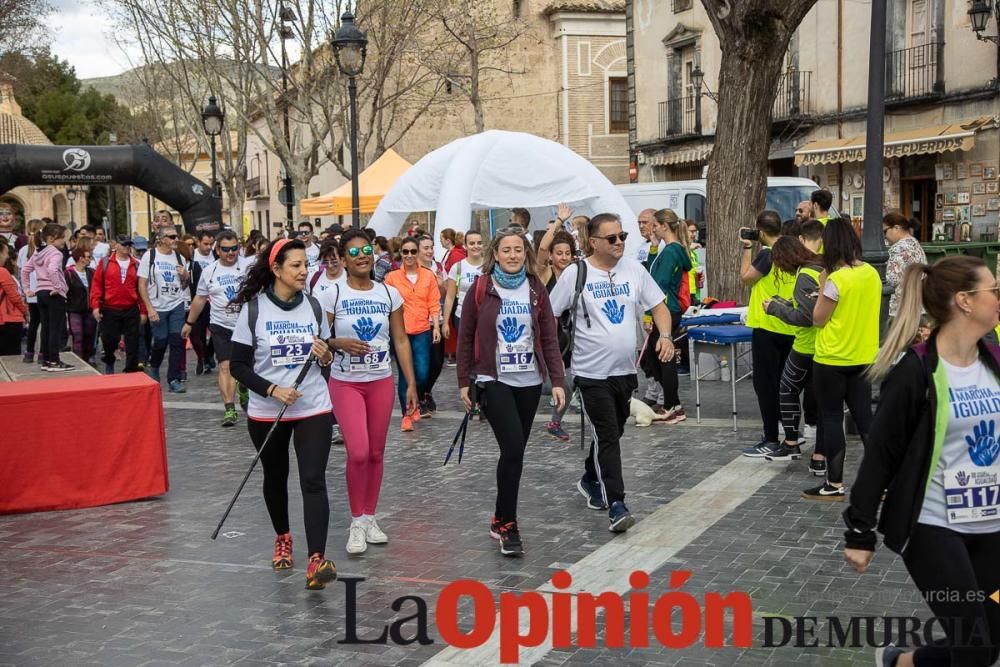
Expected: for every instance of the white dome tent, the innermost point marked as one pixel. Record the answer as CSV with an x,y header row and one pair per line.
x,y
501,170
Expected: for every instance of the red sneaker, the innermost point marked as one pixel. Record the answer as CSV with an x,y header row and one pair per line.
x,y
282,558
320,572
407,424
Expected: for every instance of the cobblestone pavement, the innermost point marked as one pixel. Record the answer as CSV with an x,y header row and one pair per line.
x,y
142,583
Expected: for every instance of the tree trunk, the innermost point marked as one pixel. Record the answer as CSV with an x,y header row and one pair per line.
x,y
737,172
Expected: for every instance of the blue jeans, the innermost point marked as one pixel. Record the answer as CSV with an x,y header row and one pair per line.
x,y
420,347
167,333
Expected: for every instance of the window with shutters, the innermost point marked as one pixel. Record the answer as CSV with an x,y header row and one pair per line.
x,y
618,105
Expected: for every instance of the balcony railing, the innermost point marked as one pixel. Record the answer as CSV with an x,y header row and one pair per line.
x,y
793,98
677,116
914,72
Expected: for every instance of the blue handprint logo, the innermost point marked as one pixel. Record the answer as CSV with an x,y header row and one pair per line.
x,y
230,292
168,276
510,330
614,312
983,445
366,329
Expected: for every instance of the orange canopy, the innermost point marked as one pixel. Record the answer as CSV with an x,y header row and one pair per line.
x,y
373,183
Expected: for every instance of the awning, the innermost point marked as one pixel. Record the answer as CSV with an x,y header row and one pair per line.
x,y
373,183
921,141
694,154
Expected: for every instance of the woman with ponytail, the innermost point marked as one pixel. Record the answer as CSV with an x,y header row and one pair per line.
x,y
508,343
34,244
933,449
278,329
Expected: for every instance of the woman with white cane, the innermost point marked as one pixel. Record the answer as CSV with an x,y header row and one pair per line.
x,y
279,328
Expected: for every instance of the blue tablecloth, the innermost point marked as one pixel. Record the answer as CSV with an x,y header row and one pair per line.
x,y
704,319
724,335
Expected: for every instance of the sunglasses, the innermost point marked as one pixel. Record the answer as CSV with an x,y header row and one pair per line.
x,y
127,244
995,289
355,251
612,238
408,252
228,248
172,237
304,233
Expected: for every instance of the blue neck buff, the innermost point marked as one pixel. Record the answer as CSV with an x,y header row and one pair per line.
x,y
509,280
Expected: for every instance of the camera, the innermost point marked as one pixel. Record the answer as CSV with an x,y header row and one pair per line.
x,y
749,234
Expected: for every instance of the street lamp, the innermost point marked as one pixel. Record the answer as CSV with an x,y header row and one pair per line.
x,y
212,119
980,16
285,32
350,45
112,139
71,196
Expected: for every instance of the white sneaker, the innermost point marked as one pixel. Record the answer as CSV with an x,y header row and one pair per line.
x,y
374,534
356,543
809,432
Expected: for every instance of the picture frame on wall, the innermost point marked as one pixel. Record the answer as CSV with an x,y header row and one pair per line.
x,y
964,197
939,172
961,170
939,200
979,188
857,206
975,170
989,173
993,204
951,198
948,171
963,213
978,210
948,215
992,187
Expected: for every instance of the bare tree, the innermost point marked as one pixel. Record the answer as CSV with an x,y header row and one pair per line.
x,y
473,48
754,36
22,23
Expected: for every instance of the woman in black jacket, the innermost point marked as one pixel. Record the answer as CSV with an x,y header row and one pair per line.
x,y
82,325
934,450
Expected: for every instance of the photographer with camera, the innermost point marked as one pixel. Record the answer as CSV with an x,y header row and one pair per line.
x,y
772,338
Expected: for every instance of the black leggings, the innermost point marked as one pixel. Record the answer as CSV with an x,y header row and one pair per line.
x,y
53,312
769,351
36,319
956,573
437,363
510,411
312,449
664,372
795,378
836,385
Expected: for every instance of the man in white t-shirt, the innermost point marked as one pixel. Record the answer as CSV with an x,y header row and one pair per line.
x,y
616,292
312,250
101,246
204,256
163,282
219,284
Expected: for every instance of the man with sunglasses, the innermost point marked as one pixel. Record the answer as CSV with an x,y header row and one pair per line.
x,y
115,302
219,284
313,253
163,280
616,292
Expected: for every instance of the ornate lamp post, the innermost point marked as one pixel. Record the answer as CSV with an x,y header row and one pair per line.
x,y
980,16
287,16
213,119
350,46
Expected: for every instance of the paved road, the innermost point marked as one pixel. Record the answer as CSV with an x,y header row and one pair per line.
x,y
142,583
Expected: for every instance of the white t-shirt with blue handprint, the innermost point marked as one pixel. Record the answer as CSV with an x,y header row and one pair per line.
x,y
964,493
165,290
515,354
220,283
614,300
363,315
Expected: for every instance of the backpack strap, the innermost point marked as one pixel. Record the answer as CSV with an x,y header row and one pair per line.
x,y
253,310
152,269
581,280
333,319
314,280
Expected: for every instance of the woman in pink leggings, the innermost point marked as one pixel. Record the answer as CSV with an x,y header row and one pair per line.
x,y
366,321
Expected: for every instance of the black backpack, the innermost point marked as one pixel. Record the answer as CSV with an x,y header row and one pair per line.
x,y
567,321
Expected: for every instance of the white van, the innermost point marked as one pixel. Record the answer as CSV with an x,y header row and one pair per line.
x,y
687,198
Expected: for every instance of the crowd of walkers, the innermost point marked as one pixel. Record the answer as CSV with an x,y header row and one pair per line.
x,y
567,318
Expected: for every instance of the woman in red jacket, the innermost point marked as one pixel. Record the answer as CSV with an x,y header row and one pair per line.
x,y
13,310
508,341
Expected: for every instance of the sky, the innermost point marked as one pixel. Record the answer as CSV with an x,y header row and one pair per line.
x,y
81,34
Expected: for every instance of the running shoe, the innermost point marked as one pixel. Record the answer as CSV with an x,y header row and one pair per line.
x,y
230,417
200,368
356,543
675,415
320,572
336,437
495,525
683,371
209,365
431,404
761,449
56,367
785,453
510,540
591,490
817,467
177,387
475,412
886,656
244,396
29,358
374,534
184,376
825,492
555,429
282,558
423,411
620,518
407,425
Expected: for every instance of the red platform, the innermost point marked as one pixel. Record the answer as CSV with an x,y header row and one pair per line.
x,y
81,442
